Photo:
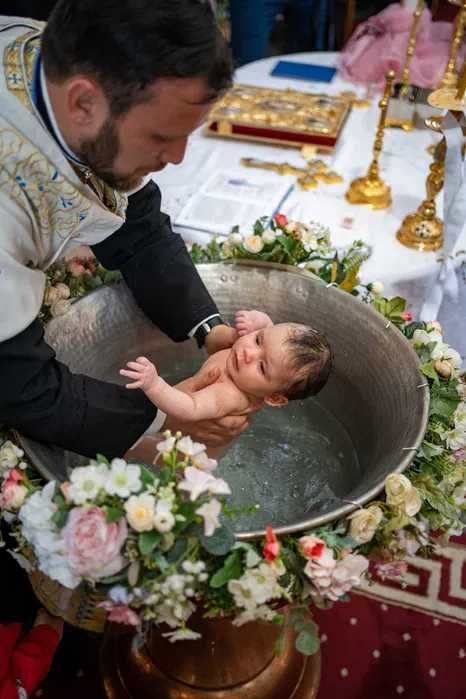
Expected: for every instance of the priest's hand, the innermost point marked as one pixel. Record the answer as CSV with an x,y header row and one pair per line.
x,y
212,433
220,337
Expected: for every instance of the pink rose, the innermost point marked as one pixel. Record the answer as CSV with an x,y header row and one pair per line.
x,y
75,268
15,475
281,220
406,316
12,495
93,545
120,613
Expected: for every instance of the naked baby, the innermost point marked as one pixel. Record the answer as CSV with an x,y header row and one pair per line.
x,y
267,365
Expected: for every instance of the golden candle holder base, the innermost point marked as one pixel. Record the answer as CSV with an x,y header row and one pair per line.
x,y
229,661
422,230
370,191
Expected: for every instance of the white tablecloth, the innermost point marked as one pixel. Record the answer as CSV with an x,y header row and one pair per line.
x,y
404,165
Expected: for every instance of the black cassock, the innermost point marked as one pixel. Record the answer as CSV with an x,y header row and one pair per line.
x,y
41,397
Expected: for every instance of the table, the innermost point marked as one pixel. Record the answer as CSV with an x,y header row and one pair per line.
x,y
404,165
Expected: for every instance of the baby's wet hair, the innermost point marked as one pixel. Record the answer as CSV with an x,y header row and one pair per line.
x,y
311,358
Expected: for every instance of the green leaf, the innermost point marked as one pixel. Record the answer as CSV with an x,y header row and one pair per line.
x,y
307,642
147,541
428,451
101,459
408,330
428,370
221,541
177,550
147,477
60,518
114,513
444,399
396,305
161,561
231,569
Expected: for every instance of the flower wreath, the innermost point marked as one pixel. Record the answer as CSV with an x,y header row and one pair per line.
x,y
159,544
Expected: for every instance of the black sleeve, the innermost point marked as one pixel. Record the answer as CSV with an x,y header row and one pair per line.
x,y
157,267
41,398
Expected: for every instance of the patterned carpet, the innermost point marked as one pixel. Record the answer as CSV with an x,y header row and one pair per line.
x,y
391,641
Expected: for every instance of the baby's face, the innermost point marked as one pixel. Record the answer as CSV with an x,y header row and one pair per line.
x,y
257,362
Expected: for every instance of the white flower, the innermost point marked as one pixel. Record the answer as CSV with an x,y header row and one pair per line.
x,y
338,580
377,288
166,445
164,520
456,438
86,483
253,244
51,296
434,325
9,455
197,482
37,512
60,307
364,523
397,487
123,479
140,511
181,635
262,613
413,502
63,290
235,238
459,416
269,236
422,337
190,448
210,512
255,587
203,462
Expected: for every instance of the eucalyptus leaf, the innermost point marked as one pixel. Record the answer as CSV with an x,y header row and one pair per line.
x,y
147,541
307,643
220,543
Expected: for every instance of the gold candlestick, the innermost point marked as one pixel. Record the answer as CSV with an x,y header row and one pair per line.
x,y
371,190
450,76
423,230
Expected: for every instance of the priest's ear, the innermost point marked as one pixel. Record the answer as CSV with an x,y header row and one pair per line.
x,y
276,400
87,107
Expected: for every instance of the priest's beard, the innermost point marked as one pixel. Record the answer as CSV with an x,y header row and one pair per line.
x,y
100,154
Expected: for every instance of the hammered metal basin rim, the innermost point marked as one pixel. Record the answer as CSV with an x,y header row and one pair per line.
x,y
231,283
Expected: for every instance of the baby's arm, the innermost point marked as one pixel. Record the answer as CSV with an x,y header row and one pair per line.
x,y
214,401
248,321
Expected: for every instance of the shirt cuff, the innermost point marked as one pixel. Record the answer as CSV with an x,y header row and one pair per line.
x,y
153,428
193,331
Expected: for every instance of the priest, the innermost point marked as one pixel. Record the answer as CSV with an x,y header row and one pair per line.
x,y
90,104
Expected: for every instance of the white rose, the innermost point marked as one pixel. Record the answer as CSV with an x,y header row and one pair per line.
x,y
235,238
364,523
397,488
51,296
377,288
413,502
63,290
9,455
163,520
253,244
140,511
434,325
60,307
269,236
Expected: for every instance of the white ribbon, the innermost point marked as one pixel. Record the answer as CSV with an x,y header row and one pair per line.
x,y
454,217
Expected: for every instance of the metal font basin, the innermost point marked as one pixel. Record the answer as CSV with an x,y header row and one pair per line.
x,y
328,454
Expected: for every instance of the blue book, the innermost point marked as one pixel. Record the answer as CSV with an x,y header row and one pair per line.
x,y
303,71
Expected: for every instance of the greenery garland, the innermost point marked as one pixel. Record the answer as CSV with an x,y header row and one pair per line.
x,y
162,542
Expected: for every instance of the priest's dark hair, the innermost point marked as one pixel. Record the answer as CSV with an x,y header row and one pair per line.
x,y
126,44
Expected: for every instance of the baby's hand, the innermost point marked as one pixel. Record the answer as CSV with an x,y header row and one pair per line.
x,y
142,371
248,321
